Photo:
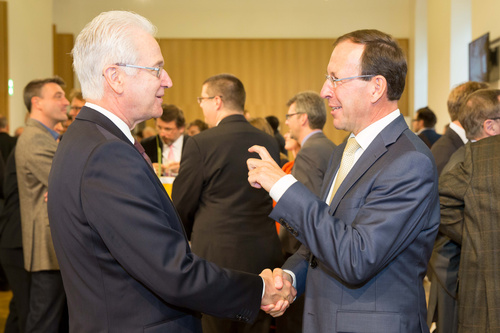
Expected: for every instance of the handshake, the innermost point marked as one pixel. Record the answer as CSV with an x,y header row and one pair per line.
x,y
279,293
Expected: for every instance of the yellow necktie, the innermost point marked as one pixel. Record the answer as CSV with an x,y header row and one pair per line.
x,y
346,163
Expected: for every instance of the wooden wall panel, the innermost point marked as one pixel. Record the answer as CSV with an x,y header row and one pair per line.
x,y
272,70
4,61
63,61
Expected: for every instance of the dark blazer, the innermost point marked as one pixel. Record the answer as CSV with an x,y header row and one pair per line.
x,y
309,168
7,143
10,219
445,258
125,260
372,245
443,148
228,218
151,146
429,136
469,195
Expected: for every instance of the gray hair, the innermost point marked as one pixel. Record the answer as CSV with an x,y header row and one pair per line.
x,y
310,103
106,40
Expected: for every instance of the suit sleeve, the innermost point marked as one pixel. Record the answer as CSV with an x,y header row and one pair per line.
x,y
383,222
452,187
141,229
188,185
306,170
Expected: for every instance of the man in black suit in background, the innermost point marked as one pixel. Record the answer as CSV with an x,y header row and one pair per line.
x,y
170,141
423,126
226,218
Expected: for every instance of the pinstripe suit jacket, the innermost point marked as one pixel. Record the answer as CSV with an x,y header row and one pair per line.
x,y
470,215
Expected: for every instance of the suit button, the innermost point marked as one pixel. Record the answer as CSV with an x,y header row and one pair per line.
x,y
239,317
282,221
313,263
295,233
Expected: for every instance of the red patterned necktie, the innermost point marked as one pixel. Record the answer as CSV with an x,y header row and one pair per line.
x,y
141,150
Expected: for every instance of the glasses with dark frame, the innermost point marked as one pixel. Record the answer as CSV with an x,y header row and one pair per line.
x,y
287,116
200,99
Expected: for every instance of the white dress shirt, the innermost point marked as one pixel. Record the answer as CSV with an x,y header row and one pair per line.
x,y
114,118
176,146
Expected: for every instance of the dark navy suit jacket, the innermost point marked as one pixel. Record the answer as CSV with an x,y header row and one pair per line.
x,y
372,245
124,256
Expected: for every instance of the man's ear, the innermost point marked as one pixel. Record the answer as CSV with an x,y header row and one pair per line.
x,y
34,102
218,102
303,119
490,127
114,78
378,88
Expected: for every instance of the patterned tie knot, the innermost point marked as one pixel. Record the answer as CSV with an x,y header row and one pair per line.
x,y
351,147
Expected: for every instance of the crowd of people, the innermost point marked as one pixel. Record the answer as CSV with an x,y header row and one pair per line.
x,y
91,242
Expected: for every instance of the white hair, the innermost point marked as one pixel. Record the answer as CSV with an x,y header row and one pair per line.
x,y
105,41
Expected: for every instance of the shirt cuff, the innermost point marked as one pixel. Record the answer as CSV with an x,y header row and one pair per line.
x,y
263,287
280,187
294,283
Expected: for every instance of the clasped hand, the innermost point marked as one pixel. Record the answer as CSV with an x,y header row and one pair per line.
x,y
279,293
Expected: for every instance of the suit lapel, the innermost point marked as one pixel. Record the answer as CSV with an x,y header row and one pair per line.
x,y
89,114
375,150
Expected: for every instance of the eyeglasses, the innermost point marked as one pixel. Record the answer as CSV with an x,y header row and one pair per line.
x,y
495,118
338,82
200,99
157,69
287,116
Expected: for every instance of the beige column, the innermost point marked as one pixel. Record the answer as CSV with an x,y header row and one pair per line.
x,y
30,49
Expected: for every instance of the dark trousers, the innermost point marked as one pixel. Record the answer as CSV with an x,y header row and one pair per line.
x,y
216,325
19,282
291,320
48,308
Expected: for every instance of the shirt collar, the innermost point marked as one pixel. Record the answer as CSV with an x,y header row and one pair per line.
x,y
309,135
366,136
424,129
51,131
114,118
176,143
460,131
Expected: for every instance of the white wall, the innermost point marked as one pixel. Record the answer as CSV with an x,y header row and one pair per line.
x,y
461,36
30,50
247,19
420,53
